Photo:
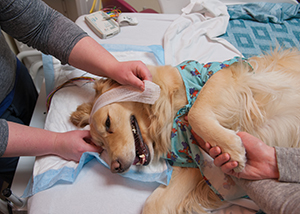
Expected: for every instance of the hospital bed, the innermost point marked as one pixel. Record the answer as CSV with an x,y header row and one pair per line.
x,y
59,186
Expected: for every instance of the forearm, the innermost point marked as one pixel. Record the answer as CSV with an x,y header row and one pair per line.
x,y
273,196
90,56
37,25
288,164
29,141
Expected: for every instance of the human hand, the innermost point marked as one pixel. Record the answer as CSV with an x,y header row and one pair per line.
x,y
71,145
131,73
261,158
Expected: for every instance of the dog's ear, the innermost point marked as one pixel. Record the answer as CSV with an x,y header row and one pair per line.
x,y
103,85
163,110
81,116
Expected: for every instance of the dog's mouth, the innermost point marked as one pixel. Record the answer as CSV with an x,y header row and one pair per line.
x,y
141,149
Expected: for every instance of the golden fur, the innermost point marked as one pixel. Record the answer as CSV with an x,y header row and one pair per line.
x,y
264,102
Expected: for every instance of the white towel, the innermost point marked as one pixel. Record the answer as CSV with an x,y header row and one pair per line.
x,y
193,35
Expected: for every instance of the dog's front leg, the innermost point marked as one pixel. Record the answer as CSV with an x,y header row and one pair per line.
x,y
212,115
176,198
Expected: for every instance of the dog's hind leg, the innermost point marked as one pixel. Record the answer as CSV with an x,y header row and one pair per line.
x,y
171,199
213,115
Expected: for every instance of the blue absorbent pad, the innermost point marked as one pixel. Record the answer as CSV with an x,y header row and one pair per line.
x,y
67,174
52,170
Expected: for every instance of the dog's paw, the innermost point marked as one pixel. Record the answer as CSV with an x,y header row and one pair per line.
x,y
241,166
80,117
236,151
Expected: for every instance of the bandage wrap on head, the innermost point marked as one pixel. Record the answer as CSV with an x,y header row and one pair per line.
x,y
127,94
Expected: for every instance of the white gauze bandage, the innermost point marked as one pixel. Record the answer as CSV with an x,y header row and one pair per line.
x,y
127,94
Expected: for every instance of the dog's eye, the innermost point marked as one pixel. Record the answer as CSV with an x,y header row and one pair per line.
x,y
107,125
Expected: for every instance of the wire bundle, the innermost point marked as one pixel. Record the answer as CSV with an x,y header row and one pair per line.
x,y
113,13
50,96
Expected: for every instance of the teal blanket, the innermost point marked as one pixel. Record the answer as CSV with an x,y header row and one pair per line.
x,y
256,28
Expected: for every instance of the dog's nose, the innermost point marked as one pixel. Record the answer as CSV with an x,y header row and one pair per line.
x,y
116,167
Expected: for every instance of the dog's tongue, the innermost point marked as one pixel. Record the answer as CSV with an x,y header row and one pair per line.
x,y
136,161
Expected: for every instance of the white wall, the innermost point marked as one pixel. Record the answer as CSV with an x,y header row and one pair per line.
x,y
66,7
145,4
75,8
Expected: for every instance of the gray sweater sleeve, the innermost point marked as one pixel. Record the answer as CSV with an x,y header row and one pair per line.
x,y
34,23
3,136
288,164
281,196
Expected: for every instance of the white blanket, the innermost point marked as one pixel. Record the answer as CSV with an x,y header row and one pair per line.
x,y
193,35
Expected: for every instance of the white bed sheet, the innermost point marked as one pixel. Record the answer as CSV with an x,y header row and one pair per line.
x,y
96,189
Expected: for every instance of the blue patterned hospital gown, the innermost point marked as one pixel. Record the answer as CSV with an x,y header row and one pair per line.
x,y
185,152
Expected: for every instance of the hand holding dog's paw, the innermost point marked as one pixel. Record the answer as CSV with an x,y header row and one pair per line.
x,y
235,148
261,160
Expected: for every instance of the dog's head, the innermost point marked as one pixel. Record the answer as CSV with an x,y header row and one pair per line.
x,y
120,128
133,132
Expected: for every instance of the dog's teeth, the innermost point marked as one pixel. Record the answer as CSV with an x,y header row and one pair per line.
x,y
143,159
134,131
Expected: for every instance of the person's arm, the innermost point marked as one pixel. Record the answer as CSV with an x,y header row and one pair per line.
x,y
90,56
288,164
282,196
29,141
262,161
36,24
39,26
271,195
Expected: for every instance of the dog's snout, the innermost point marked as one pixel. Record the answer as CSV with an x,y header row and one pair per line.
x,y
118,167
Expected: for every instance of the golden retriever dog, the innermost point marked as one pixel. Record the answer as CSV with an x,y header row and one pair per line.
x,y
260,96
